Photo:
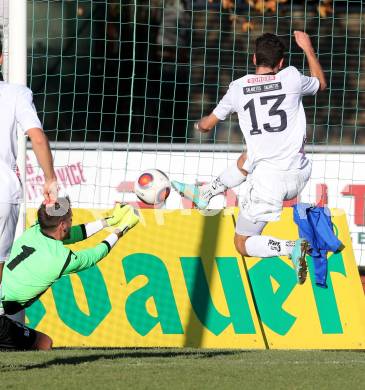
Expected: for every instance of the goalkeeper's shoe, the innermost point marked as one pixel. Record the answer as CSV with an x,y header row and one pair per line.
x,y
117,214
298,259
129,219
193,193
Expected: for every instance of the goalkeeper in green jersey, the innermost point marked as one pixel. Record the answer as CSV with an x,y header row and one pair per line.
x,y
38,258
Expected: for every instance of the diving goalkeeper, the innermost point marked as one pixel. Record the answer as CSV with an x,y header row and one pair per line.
x,y
39,258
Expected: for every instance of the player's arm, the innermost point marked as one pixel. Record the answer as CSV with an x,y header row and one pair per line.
x,y
304,42
205,124
87,258
84,231
42,151
26,116
224,108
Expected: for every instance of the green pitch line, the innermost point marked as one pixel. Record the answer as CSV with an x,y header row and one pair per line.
x,y
182,369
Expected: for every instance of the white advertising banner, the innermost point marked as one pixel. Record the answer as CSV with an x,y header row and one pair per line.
x,y
96,179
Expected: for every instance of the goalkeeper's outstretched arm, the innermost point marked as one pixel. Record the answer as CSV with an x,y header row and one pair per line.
x,y
84,231
86,258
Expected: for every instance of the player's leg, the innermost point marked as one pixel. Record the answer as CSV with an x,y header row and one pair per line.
x,y
249,242
295,181
232,176
263,201
16,336
43,342
263,246
9,214
8,220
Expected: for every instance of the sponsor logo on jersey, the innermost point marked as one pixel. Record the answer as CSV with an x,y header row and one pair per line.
x,y
261,79
262,88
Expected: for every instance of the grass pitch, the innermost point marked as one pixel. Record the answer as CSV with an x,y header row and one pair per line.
x,y
182,369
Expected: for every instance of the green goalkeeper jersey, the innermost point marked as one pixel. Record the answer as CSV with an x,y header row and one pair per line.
x,y
37,261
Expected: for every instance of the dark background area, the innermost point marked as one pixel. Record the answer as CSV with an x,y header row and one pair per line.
x,y
145,71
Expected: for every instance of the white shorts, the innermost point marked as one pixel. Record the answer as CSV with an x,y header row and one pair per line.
x,y
9,214
264,192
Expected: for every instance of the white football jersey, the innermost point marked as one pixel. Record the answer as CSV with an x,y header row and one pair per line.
x,y
271,116
16,107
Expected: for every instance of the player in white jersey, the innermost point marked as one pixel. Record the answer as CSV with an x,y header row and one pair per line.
x,y
272,120
16,107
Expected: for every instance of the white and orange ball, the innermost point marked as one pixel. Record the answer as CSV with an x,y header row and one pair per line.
x,y
152,187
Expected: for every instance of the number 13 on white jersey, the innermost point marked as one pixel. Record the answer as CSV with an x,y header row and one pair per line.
x,y
271,116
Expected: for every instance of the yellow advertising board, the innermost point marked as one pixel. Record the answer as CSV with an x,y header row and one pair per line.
x,y
176,280
307,316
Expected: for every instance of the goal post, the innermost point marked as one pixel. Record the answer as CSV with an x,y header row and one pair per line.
x,y
18,75
15,71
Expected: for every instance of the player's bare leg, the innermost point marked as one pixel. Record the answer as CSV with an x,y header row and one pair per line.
x,y
232,176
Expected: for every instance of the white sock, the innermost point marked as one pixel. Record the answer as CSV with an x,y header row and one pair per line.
x,y
230,177
266,246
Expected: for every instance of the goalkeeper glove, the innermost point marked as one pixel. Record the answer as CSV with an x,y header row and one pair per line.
x,y
129,220
117,215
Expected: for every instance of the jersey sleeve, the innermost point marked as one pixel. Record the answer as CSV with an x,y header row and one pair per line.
x,y
25,113
84,231
86,258
309,85
77,233
226,105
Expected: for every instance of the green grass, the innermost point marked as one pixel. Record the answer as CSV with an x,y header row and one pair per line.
x,y
182,369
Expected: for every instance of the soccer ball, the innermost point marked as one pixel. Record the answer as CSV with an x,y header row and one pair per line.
x,y
152,187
